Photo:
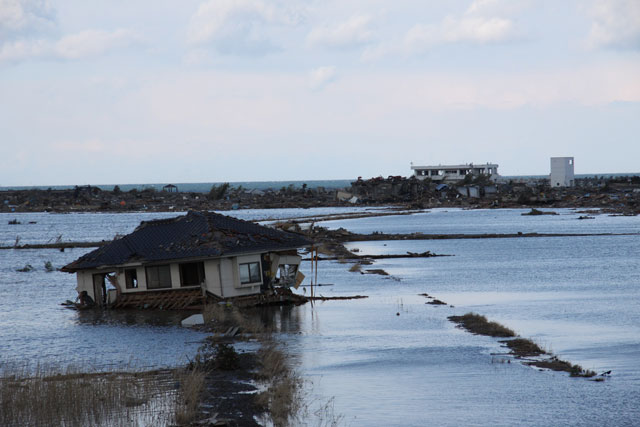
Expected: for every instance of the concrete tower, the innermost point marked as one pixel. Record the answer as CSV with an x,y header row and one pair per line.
x,y
562,172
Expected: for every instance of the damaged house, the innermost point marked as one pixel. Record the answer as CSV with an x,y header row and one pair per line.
x,y
175,262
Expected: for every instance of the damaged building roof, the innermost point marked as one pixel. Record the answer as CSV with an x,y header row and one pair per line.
x,y
194,235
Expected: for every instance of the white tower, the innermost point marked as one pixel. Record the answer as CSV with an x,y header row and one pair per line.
x,y
562,172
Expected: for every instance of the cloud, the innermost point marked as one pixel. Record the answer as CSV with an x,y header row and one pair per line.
x,y
488,8
322,76
23,16
93,43
483,22
476,30
74,46
616,24
237,26
352,33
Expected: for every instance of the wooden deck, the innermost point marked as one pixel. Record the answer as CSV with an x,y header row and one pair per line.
x,y
193,299
170,299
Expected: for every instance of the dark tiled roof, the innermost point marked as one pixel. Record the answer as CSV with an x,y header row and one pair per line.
x,y
195,235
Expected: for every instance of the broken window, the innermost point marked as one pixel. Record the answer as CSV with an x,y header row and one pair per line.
x,y
250,272
158,277
286,274
191,273
131,278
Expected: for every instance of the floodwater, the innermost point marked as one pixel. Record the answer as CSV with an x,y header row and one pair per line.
x,y
35,328
37,227
391,359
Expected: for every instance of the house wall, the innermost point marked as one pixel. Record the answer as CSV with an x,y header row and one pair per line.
x,y
222,277
85,282
175,275
230,276
212,277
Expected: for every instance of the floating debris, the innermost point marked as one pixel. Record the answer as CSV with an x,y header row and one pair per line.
x,y
27,268
534,212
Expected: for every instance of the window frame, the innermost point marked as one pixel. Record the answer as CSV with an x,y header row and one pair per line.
x,y
250,278
199,265
131,282
158,267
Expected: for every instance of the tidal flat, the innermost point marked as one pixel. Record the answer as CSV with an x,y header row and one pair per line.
x,y
389,359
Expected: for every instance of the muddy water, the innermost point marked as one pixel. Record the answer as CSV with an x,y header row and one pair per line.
x,y
391,359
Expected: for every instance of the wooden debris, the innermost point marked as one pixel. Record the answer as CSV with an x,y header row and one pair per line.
x,y
321,298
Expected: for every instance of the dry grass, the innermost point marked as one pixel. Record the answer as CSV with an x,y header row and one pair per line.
x,y
188,400
220,317
49,397
520,347
355,268
556,364
524,347
284,385
215,313
477,324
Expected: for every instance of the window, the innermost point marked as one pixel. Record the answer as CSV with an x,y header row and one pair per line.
x,y
191,274
131,278
250,273
158,277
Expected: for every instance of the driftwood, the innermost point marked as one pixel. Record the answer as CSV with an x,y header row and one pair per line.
x,y
426,254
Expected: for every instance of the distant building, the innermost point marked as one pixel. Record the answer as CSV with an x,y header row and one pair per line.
x,y
454,173
562,172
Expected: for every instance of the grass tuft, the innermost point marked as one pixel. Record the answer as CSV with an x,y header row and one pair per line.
x,y
524,347
52,397
477,324
188,400
282,396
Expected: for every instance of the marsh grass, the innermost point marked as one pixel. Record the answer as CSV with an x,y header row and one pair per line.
x,y
187,402
556,364
50,397
520,347
220,317
477,324
524,347
282,396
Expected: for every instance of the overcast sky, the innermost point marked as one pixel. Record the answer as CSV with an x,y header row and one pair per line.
x,y
121,91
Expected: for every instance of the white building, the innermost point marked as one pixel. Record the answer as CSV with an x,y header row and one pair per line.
x,y
453,173
562,172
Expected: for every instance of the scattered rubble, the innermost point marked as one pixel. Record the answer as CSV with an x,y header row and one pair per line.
x,y
535,212
27,268
618,195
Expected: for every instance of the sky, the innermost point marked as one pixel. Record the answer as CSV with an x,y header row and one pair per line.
x,y
119,91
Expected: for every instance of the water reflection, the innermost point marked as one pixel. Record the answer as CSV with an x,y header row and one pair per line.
x,y
155,318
